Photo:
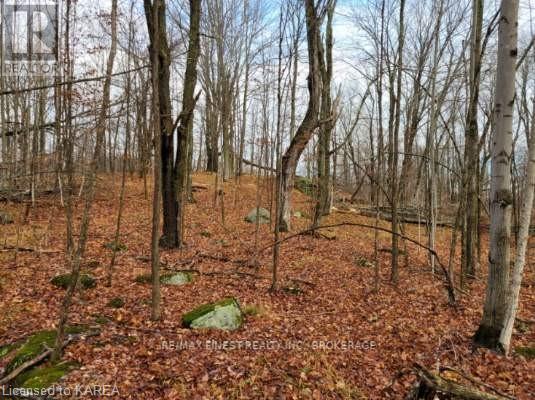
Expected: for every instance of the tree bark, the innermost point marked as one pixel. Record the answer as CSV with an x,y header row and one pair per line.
x,y
471,150
158,35
495,308
323,204
521,245
394,276
185,119
310,121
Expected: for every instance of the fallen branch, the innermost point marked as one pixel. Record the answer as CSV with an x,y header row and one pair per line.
x,y
198,187
407,219
221,258
252,164
248,274
525,321
297,280
27,249
45,354
432,386
449,283
24,366
476,381
21,196
36,360
16,248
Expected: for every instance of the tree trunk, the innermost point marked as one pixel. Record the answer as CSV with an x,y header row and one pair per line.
x,y
170,238
310,121
521,245
495,308
185,119
469,237
211,128
323,204
395,138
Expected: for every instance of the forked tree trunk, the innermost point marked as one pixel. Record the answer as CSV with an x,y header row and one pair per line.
x,y
496,297
185,119
310,121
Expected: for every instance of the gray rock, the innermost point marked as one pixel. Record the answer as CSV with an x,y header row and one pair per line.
x,y
262,214
179,278
225,314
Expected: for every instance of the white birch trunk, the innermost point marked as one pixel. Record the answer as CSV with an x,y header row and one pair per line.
x,y
523,236
496,297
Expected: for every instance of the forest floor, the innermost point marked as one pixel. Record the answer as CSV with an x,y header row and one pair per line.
x,y
328,335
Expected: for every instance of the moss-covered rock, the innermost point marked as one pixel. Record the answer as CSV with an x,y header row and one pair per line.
x,y
305,185
115,246
31,348
8,348
116,302
35,344
44,376
143,278
6,218
64,280
225,314
261,214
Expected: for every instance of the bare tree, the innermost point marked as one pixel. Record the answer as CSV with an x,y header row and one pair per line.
x,y
185,119
328,121
394,143
471,150
89,190
158,34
